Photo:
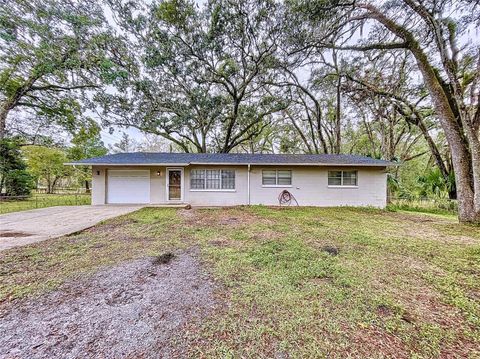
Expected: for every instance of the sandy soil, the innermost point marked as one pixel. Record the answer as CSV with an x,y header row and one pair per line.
x,y
135,310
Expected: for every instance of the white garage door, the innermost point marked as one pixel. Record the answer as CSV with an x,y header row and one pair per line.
x,y
128,186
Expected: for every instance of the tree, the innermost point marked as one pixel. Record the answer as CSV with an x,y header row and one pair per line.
x,y
450,73
47,165
14,178
384,84
87,143
201,82
53,56
126,144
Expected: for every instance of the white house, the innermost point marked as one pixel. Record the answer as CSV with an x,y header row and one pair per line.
x,y
238,179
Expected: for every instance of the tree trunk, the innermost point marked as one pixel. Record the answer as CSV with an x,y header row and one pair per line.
x,y
87,187
3,122
12,101
53,185
461,156
337,118
466,160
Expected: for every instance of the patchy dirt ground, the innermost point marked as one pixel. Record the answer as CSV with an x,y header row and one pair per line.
x,y
132,310
289,283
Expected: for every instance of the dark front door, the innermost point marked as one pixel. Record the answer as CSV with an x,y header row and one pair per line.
x,y
174,185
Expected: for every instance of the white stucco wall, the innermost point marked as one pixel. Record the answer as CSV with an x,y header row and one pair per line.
x,y
100,183
309,186
218,197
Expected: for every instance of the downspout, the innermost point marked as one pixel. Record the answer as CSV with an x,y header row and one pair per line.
x,y
248,184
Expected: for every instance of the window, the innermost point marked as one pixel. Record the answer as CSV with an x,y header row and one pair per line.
x,y
276,177
212,179
342,178
197,179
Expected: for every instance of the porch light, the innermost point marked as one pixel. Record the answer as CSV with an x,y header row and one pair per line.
x,y
159,173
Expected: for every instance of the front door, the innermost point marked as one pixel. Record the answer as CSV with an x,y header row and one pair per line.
x,y
174,184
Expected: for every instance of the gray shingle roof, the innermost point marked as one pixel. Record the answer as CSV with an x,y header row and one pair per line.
x,y
159,158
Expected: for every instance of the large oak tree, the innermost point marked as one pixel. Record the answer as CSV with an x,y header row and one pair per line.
x,y
53,56
430,31
202,72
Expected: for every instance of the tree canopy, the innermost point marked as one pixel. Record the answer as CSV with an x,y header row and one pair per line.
x,y
53,57
397,80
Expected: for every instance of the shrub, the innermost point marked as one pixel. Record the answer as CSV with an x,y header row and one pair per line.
x,y
18,183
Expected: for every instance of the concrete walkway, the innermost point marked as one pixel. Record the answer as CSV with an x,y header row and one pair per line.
x,y
22,228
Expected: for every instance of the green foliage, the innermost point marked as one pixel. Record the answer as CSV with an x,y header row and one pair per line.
x,y
443,206
47,165
175,12
14,178
87,143
432,184
18,183
206,72
55,56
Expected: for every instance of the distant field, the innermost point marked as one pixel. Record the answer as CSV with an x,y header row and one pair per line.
x,y
44,200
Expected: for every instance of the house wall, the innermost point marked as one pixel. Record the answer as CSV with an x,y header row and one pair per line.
x,y
309,186
238,196
100,183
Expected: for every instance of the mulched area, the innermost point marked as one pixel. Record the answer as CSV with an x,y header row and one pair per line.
x,y
134,310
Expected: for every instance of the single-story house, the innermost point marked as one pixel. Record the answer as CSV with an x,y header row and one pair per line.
x,y
220,179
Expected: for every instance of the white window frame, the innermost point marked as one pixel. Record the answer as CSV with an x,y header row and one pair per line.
x,y
341,185
276,185
205,180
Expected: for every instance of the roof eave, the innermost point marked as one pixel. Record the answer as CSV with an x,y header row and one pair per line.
x,y
238,164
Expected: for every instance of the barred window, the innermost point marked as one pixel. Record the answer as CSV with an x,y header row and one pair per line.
x,y
276,177
212,179
342,178
228,179
197,179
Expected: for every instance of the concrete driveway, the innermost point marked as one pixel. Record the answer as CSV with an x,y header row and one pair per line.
x,y
22,228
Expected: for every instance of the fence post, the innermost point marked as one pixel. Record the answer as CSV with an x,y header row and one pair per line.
x,y
36,201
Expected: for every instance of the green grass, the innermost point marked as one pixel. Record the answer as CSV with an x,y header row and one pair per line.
x,y
44,200
442,206
401,284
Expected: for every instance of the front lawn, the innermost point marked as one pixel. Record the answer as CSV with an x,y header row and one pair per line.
x,y
38,200
289,282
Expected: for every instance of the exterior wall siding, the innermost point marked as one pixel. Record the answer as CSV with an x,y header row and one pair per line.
x,y
99,185
309,186
235,197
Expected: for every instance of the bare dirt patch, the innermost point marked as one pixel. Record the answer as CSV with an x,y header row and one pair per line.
x,y
8,234
232,217
132,310
426,227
